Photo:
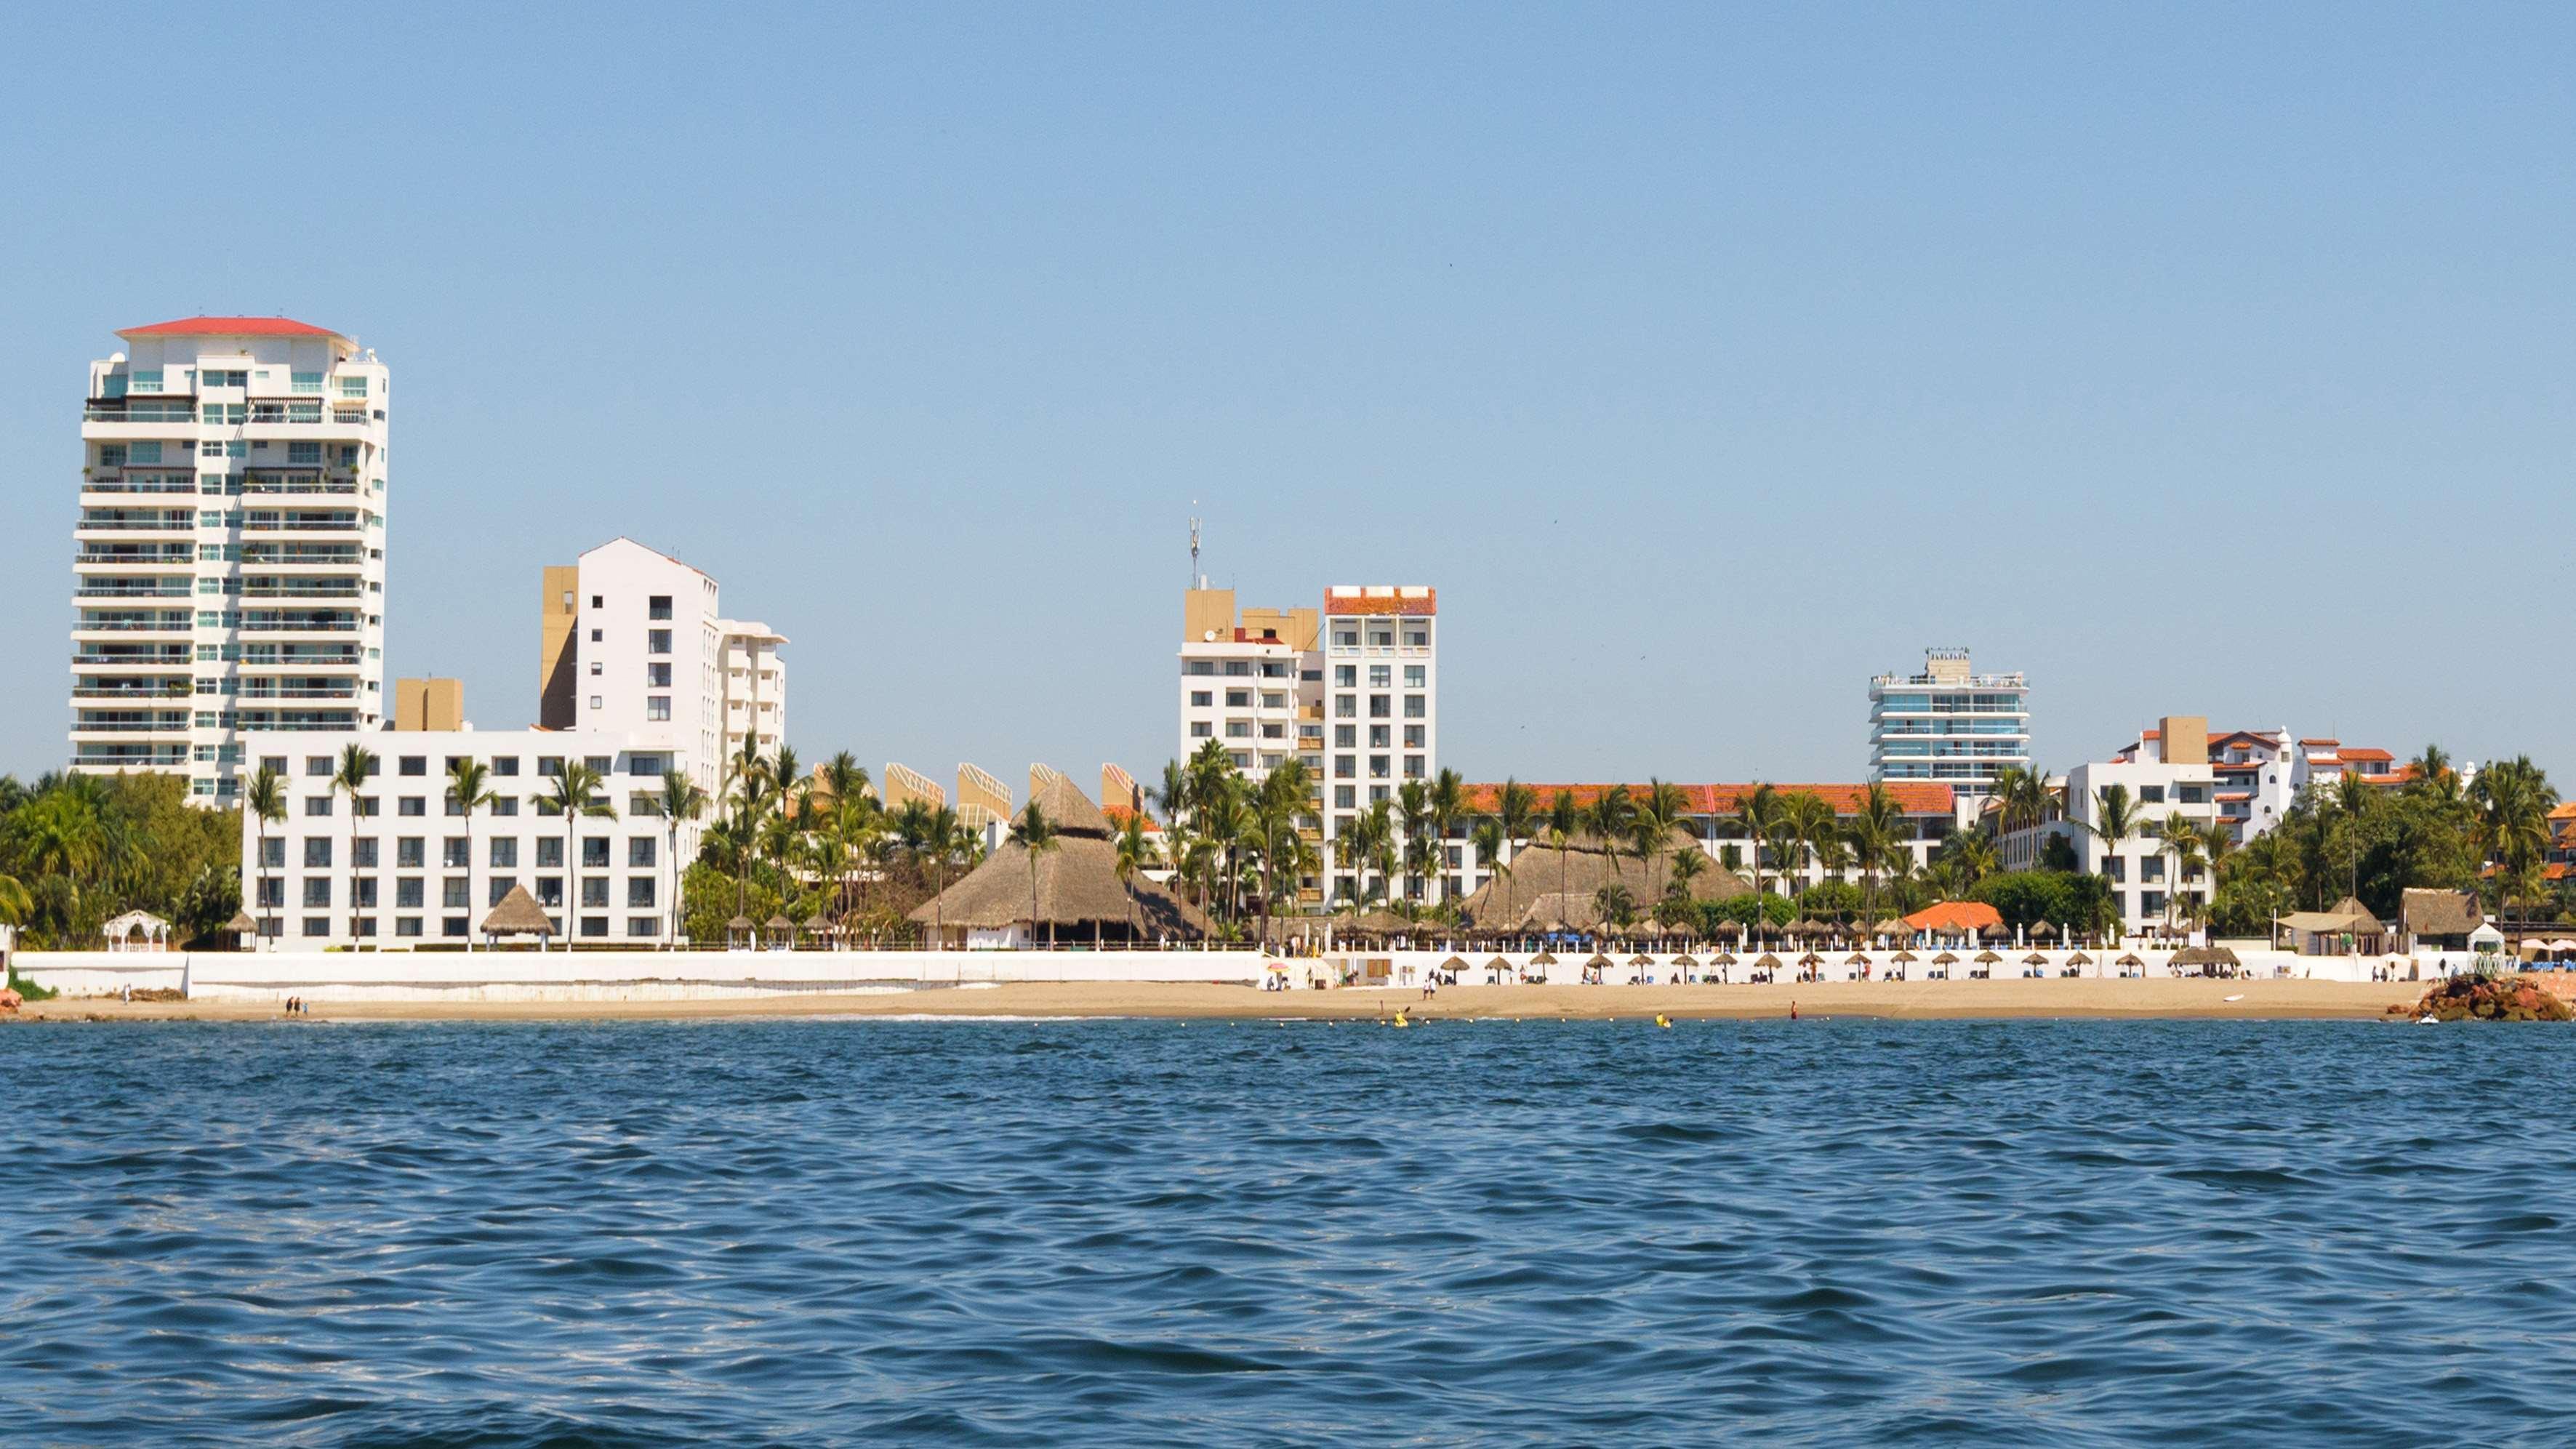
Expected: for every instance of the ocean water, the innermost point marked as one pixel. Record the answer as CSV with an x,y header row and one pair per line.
x,y
1111,1232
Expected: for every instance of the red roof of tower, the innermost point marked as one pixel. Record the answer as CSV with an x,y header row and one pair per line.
x,y
229,327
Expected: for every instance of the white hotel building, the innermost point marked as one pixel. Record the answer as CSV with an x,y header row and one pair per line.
x,y
229,573
640,674
1353,690
1948,724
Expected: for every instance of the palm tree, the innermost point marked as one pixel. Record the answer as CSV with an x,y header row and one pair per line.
x,y
2181,836
575,794
1036,835
2023,796
469,788
1811,823
357,764
1413,819
1688,866
1614,819
1516,811
1564,817
1757,811
1876,832
680,800
746,785
1665,804
940,834
1448,804
266,801
844,778
1487,841
2115,819
2513,798
1136,853
1275,808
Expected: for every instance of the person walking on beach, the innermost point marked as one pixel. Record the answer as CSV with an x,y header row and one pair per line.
x,y
1793,1008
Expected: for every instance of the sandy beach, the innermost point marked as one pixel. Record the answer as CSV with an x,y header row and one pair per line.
x,y
2142,999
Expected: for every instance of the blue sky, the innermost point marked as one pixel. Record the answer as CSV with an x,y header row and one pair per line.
x,y
1709,359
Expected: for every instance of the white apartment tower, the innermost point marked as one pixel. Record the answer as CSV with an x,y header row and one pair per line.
x,y
1252,682
229,572
1382,688
632,641
1948,724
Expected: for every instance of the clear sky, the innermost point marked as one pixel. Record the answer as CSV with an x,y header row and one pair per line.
x,y
1708,359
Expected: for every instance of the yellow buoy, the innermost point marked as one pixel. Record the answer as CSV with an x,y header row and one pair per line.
x,y
1663,1021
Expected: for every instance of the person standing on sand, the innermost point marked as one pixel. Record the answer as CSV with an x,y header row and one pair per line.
x,y
1793,1008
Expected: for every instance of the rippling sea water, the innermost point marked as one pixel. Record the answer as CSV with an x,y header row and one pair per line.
x,y
1253,1233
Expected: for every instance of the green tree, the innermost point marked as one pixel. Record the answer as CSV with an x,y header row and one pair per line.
x,y
357,765
680,801
575,795
1136,854
469,789
266,801
1036,836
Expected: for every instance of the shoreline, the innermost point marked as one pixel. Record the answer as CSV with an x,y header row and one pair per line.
x,y
2139,999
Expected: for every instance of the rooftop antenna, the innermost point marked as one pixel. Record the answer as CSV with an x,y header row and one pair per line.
x,y
1197,579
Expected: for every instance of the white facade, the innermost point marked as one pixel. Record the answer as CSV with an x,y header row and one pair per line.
x,y
1948,724
229,572
2139,868
2260,773
1252,695
1381,689
652,653
408,869
753,685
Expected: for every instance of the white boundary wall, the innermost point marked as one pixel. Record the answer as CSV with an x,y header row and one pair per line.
x,y
359,976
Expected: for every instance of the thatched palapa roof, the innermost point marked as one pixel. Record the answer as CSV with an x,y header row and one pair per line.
x,y
1546,883
518,915
1078,889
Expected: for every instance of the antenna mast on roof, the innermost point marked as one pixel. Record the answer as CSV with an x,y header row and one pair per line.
x,y
1197,579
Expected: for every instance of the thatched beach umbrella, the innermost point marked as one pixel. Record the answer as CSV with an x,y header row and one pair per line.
x,y
1811,959
1987,958
781,929
1543,958
738,931
2034,959
1997,932
519,915
1685,961
241,925
1905,958
2131,959
1768,962
1641,959
2043,931
1858,958
1892,926
1455,963
1722,958
2079,959
1945,959
1499,964
1731,930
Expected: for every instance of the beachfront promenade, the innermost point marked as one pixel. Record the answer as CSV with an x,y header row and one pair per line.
x,y
426,977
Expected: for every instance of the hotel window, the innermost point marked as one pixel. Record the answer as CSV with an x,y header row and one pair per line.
x,y
272,853
504,853
317,766
366,899
1345,796
307,455
317,805
1381,635
498,887
639,893
2151,794
1346,736
1413,737
594,892
1346,638
1238,667
1378,765
409,851
412,765
1413,767
1236,729
1380,706
658,606
317,892
272,894
1414,674
353,387
1198,666
1346,706
657,675
1381,675
407,895
505,765
594,925
1202,698
1379,738
657,706
643,926
455,893
1416,636
639,851
1414,706
452,853
407,925
657,641
362,852
1238,699
549,890
317,925
1200,729
1274,732
411,805
594,852
1345,766
1272,699
1347,675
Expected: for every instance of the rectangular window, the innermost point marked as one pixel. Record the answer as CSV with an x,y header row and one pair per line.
x,y
549,852
1200,729
317,892
1415,707
353,387
639,851
2151,794
643,926
317,852
362,853
657,641
594,853
407,925
412,765
1202,699
658,607
409,851
1380,706
639,893
407,893
1345,796
657,707
272,894
1380,676
366,900
455,893
1414,675
657,675
504,853
305,455
497,887
1238,699
594,925
505,765
412,806
317,925
455,852
594,891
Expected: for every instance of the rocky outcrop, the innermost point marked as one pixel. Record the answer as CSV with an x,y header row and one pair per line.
x,y
2489,998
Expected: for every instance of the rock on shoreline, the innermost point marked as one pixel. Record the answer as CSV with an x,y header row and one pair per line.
x,y
2479,998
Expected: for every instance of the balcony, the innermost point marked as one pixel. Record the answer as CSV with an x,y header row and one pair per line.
x,y
301,555
292,624
178,657
88,524
317,589
291,656
181,625
160,589
301,523
138,555
130,757
299,691
109,480
178,725
137,690
135,412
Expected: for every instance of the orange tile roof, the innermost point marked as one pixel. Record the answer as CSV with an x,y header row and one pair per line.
x,y
1118,818
1427,602
1955,916
229,327
1914,797
2566,810
2355,752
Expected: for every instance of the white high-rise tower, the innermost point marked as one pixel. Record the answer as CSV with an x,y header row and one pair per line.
x,y
229,576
